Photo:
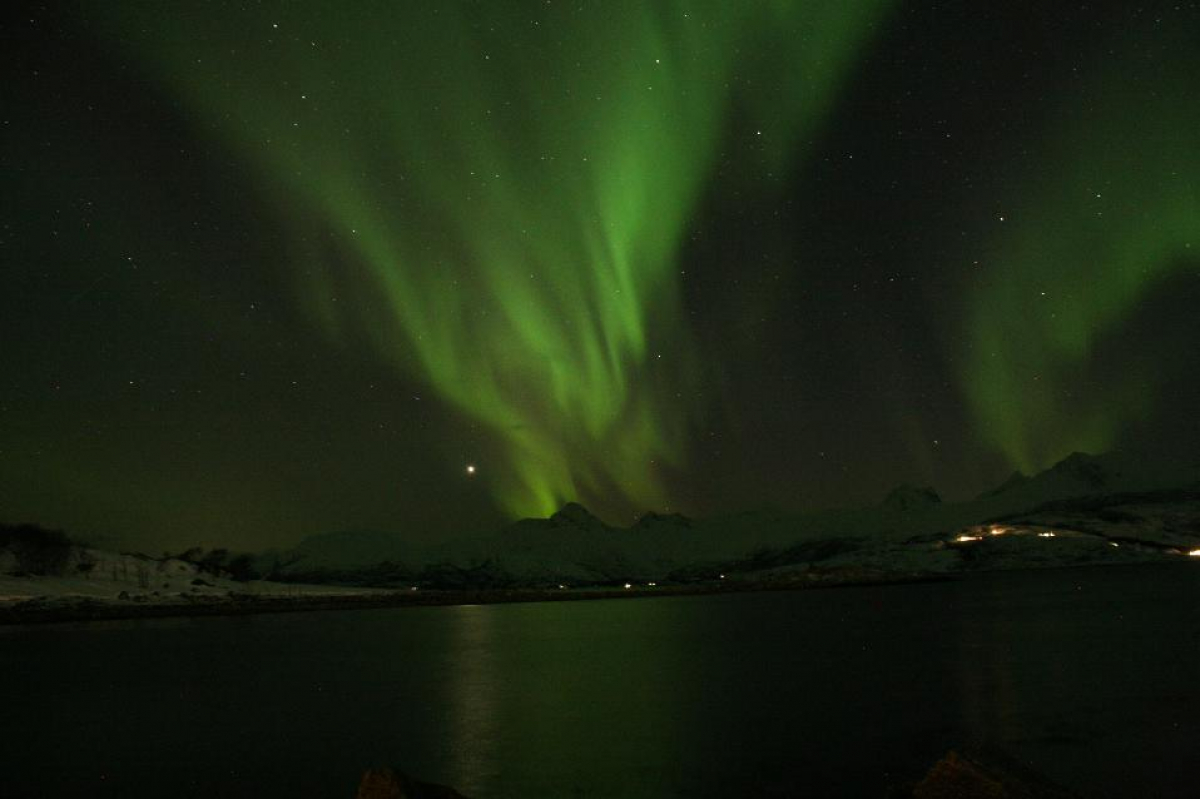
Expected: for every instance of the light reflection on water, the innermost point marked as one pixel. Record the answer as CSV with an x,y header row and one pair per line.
x,y
986,693
1087,676
473,712
584,683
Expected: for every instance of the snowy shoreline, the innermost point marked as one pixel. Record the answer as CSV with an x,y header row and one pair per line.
x,y
76,608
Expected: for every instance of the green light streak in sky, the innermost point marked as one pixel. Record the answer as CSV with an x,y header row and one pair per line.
x,y
1113,210
499,197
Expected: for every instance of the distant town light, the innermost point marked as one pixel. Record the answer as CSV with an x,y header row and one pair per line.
x,y
962,539
1045,535
651,584
999,530
722,577
1113,544
470,468
560,585
629,585
1195,553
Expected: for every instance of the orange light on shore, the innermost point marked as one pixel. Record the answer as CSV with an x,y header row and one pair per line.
x,y
1045,535
1195,553
962,539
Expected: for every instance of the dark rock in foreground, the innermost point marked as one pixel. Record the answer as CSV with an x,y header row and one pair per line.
x,y
389,783
958,776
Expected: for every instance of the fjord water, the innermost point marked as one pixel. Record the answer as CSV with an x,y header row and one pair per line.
x,y
1089,676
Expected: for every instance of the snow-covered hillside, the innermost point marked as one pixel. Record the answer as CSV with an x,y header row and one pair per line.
x,y
98,574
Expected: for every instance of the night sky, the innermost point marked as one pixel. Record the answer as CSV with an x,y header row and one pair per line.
x,y
275,269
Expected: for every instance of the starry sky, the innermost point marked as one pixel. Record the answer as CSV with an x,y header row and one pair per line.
x,y
274,269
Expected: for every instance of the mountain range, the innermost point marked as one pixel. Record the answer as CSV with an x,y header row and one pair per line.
x,y
1116,506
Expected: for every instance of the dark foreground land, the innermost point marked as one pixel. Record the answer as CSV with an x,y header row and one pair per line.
x,y
954,776
43,610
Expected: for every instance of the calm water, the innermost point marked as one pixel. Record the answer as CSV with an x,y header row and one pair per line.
x,y
1091,677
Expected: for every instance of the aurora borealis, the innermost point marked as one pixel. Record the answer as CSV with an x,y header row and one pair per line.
x,y
282,268
505,217
1111,212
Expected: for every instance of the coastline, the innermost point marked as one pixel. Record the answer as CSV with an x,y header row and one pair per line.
x,y
54,610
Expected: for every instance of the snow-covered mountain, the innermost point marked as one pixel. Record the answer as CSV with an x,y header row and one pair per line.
x,y
911,529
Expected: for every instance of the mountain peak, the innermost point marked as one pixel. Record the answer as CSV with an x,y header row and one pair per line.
x,y
1015,479
1083,468
907,498
575,514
